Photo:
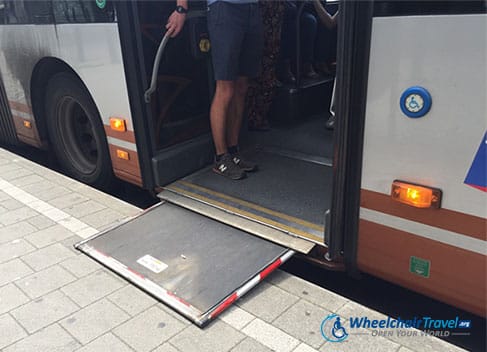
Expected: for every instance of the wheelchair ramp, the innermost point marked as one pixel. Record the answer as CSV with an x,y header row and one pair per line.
x,y
196,265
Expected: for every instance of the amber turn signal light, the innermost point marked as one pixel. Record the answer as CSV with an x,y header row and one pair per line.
x,y
117,124
416,195
122,154
27,124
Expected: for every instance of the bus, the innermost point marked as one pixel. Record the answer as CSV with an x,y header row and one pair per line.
x,y
397,190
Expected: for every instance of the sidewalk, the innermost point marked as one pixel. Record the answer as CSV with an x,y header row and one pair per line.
x,y
52,298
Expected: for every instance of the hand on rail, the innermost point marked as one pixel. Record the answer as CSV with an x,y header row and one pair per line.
x,y
175,23
329,21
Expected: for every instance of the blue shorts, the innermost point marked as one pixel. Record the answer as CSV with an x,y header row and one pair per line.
x,y
237,39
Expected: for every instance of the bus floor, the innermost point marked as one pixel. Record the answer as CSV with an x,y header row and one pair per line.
x,y
308,136
290,191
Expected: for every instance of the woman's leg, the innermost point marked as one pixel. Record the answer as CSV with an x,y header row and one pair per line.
x,y
309,27
261,91
287,51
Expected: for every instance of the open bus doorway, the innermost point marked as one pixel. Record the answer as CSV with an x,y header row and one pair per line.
x,y
292,190
211,239
180,104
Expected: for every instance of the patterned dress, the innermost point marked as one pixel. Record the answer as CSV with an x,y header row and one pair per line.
x,y
261,90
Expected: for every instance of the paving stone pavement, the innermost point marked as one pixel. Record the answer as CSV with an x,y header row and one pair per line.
x,y
52,298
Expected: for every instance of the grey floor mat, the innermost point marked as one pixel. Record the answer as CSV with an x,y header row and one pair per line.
x,y
308,137
295,187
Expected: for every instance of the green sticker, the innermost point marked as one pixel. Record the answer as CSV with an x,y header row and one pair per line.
x,y
101,3
419,266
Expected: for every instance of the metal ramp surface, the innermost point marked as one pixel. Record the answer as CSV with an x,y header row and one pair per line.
x,y
197,265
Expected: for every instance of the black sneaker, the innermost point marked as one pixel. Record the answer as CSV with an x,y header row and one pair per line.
x,y
227,167
244,165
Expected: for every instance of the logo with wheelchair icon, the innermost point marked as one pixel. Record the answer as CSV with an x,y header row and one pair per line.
x,y
332,329
415,102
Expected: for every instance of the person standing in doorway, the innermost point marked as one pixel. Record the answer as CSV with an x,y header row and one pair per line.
x,y
236,36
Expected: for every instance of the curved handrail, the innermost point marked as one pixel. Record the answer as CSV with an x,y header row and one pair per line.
x,y
155,68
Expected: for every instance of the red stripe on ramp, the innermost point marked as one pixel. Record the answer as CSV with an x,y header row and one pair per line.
x,y
270,269
224,305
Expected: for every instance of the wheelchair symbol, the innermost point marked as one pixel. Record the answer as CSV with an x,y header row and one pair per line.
x,y
338,330
414,103
332,329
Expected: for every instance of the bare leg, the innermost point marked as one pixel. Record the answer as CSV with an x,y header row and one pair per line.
x,y
219,112
236,111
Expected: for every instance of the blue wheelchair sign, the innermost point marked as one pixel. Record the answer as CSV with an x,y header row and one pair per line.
x,y
415,102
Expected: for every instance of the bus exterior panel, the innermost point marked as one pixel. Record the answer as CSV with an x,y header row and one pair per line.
x,y
438,252
92,51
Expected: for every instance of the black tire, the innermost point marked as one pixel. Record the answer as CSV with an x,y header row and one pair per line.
x,y
76,132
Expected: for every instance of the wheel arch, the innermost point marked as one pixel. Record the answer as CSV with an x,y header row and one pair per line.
x,y
43,71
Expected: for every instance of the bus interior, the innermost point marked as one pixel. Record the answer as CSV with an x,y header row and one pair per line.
x,y
292,189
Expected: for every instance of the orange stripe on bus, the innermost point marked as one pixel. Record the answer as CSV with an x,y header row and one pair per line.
x,y
468,225
457,276
127,136
15,105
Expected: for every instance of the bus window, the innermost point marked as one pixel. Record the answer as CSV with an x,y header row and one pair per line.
x,y
79,11
15,12
26,12
410,8
2,12
39,12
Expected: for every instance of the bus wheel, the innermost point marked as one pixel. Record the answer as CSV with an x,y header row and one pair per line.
x,y
76,131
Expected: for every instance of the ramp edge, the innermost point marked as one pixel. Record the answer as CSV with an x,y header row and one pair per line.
x,y
117,224
167,297
241,291
182,307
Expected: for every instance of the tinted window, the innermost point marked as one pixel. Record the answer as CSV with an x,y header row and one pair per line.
x,y
39,12
15,12
435,7
2,12
24,12
83,11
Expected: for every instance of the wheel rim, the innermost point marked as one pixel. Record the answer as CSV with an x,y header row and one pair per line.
x,y
78,135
